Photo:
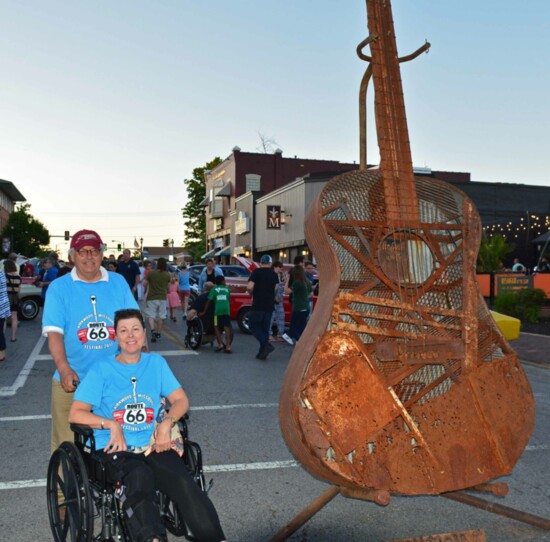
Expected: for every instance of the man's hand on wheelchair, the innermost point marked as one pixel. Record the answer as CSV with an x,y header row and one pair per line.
x,y
69,379
117,442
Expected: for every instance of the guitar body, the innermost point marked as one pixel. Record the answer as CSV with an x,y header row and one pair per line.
x,y
402,380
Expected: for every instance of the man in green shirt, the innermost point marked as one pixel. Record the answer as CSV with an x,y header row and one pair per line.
x,y
219,295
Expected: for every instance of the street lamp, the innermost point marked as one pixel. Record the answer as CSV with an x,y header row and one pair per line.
x,y
141,247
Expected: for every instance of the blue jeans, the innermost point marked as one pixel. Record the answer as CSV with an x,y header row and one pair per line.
x,y
259,323
298,321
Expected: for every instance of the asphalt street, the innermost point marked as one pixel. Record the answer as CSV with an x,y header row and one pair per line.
x,y
258,487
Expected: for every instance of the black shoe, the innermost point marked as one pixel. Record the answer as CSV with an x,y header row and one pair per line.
x,y
269,348
262,355
158,336
153,337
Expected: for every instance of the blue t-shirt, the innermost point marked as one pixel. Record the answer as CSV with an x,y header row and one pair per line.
x,y
128,393
184,281
49,276
83,312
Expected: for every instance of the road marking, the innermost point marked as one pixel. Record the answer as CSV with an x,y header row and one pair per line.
x,y
193,409
9,391
225,407
236,467
252,466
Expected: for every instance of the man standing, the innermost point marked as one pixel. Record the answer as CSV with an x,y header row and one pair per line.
x,y
262,284
129,269
78,321
157,287
209,273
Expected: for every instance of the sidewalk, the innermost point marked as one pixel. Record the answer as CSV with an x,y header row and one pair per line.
x,y
533,348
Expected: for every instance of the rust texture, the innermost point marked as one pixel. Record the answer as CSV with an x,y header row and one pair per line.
x,y
402,382
460,536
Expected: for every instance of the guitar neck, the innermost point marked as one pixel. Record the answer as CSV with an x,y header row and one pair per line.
x,y
391,120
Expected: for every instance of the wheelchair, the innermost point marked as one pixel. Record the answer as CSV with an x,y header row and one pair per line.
x,y
197,335
84,504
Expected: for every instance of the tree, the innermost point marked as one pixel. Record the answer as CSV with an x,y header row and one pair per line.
x,y
30,236
194,213
266,143
492,252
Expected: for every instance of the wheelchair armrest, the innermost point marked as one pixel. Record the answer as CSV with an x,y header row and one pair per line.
x,y
82,430
83,435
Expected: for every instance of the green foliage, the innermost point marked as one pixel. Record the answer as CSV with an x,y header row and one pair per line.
x,y
492,252
30,236
523,304
193,213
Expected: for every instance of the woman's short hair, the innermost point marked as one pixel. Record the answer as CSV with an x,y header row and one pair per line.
x,y
126,314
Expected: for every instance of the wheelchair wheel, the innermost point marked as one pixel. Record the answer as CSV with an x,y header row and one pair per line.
x,y
68,494
192,457
194,335
171,517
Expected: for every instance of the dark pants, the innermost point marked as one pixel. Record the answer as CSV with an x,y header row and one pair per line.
x,y
2,337
166,472
259,323
298,322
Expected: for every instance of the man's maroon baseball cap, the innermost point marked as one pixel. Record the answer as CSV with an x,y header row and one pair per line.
x,y
87,238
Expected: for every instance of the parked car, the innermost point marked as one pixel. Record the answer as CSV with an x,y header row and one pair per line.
x,y
236,277
30,299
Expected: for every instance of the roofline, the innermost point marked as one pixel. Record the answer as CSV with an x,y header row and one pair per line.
x,y
10,189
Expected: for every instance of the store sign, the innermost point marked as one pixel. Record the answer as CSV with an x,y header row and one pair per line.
x,y
273,217
242,224
514,283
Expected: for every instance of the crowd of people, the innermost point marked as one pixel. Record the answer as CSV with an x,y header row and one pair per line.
x,y
95,309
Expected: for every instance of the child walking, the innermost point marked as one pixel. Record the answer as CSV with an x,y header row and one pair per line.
x,y
219,295
172,297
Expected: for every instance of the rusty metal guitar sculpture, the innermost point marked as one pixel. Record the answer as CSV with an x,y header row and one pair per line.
x,y
401,383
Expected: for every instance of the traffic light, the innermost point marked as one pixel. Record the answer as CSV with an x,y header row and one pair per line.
x,y
165,243
67,236
119,247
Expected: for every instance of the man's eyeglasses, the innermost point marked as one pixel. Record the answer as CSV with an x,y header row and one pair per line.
x,y
83,252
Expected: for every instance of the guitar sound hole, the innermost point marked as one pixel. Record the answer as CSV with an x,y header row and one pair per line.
x,y
406,258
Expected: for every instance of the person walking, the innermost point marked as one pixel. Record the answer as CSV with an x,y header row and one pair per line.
x,y
129,269
262,284
185,288
4,313
78,321
301,293
220,296
13,282
278,318
157,287
172,297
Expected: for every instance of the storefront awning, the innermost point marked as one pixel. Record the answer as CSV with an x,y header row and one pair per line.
x,y
205,202
208,254
225,191
225,251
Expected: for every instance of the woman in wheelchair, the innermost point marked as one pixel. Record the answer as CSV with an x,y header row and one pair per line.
x,y
120,398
